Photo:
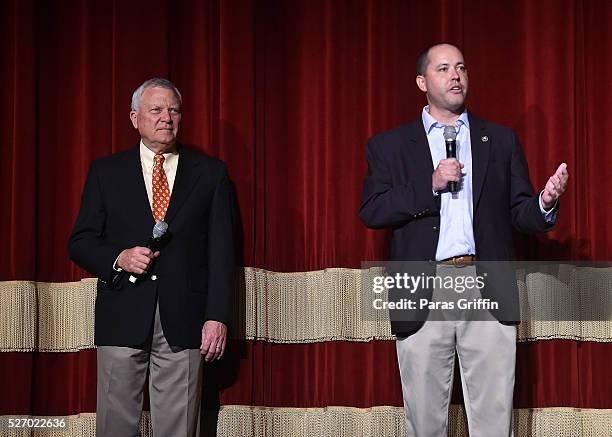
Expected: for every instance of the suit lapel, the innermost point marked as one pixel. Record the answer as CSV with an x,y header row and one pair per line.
x,y
481,141
139,199
419,149
187,174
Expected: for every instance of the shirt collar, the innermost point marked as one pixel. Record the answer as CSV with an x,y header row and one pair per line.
x,y
429,122
147,156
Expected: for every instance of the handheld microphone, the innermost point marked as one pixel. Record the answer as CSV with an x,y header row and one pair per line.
x,y
159,230
450,139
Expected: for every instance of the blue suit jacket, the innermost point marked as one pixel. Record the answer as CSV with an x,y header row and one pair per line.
x,y
397,194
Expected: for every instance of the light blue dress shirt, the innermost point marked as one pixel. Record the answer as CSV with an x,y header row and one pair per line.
x,y
456,210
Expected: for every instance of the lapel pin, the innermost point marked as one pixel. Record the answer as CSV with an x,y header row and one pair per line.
x,y
484,138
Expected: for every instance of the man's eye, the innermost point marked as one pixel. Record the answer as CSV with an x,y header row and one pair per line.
x,y
155,110
174,110
443,69
461,68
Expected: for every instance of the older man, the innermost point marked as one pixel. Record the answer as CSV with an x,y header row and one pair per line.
x,y
159,309
407,189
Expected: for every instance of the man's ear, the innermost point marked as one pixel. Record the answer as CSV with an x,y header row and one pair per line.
x,y
134,118
420,81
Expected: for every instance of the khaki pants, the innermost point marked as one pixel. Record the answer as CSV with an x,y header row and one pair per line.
x,y
175,385
487,357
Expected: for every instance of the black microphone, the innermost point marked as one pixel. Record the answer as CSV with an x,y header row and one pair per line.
x,y
159,231
450,139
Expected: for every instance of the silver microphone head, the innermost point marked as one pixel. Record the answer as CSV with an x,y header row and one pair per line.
x,y
159,229
450,133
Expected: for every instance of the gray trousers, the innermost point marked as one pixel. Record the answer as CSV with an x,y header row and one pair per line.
x,y
487,357
175,385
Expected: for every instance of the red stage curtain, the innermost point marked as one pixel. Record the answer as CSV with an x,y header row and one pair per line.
x,y
287,93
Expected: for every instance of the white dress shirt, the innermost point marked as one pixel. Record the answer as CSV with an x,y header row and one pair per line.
x,y
147,161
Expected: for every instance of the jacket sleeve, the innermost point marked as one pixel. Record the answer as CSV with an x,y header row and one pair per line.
x,y
524,203
87,245
221,252
384,204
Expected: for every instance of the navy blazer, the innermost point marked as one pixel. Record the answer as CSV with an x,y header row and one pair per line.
x,y
397,194
195,271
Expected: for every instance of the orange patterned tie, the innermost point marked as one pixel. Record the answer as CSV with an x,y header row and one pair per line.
x,y
161,191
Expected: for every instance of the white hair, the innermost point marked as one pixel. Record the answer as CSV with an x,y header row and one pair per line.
x,y
155,82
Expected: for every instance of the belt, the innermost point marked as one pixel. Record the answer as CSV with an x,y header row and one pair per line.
x,y
459,261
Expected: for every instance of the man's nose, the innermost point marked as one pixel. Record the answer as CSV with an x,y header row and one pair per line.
x,y
454,75
165,116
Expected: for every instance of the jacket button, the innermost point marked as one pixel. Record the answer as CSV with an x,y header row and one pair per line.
x,y
153,277
435,228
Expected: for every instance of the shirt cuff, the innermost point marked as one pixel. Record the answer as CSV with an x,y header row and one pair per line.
x,y
549,215
119,269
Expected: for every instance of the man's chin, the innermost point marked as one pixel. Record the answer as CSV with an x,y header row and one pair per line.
x,y
163,144
168,140
457,106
